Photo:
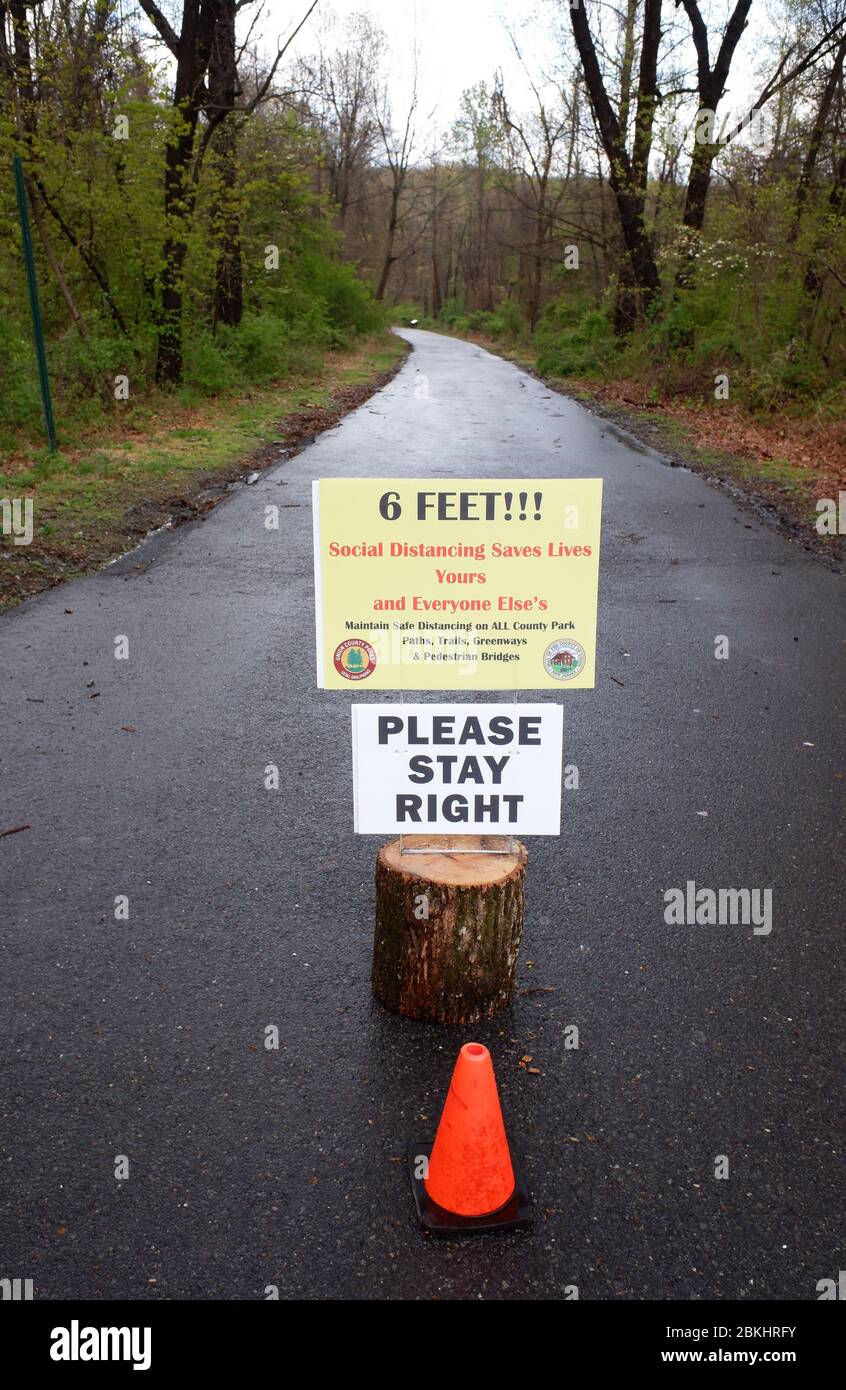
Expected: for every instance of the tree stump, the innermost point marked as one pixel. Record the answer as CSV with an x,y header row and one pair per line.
x,y
457,965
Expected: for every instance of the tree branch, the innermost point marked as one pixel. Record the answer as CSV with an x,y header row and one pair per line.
x,y
161,26
262,92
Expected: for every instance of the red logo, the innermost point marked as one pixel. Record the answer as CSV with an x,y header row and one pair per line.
x,y
354,659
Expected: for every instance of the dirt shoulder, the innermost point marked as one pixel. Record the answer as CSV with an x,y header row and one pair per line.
x,y
777,466
96,501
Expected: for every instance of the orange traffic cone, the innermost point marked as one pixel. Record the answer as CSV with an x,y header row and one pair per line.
x,y
466,1180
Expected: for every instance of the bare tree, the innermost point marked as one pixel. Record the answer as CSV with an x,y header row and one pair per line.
x,y
627,169
398,155
342,84
536,182
711,85
477,136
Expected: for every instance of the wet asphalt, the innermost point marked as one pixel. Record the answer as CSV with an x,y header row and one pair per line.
x,y
144,1037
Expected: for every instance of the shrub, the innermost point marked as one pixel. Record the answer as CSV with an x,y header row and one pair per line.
x,y
207,367
347,302
404,311
20,399
259,348
672,333
452,310
511,321
564,347
790,376
83,369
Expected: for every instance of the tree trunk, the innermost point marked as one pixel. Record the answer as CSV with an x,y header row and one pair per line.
x,y
177,219
696,197
222,85
448,930
389,257
815,142
627,176
627,303
813,282
192,51
436,289
436,279
23,66
698,183
229,280
627,65
711,83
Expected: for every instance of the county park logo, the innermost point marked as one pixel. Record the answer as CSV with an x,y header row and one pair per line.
x,y
563,659
354,659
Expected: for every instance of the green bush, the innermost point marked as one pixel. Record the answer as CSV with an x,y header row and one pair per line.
x,y
452,310
512,325
83,368
259,348
791,376
208,368
571,345
20,400
672,333
481,321
347,302
258,351
504,323
403,312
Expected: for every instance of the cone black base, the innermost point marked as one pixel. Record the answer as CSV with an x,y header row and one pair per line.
x,y
516,1212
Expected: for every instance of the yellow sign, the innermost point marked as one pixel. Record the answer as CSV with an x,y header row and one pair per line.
x,y
456,583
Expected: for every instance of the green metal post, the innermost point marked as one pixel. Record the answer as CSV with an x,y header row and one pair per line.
x,y
37,329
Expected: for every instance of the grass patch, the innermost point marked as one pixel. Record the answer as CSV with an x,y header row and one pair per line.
x,y
110,486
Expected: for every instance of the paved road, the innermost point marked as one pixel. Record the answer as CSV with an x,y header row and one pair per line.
x,y
145,1038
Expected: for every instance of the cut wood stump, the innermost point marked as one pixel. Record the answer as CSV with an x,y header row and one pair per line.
x,y
457,964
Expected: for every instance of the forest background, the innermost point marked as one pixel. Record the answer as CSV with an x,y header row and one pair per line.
x,y
650,214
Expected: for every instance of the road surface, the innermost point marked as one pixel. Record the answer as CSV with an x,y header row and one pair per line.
x,y
251,1168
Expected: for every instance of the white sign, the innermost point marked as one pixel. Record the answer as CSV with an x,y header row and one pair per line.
x,y
457,769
